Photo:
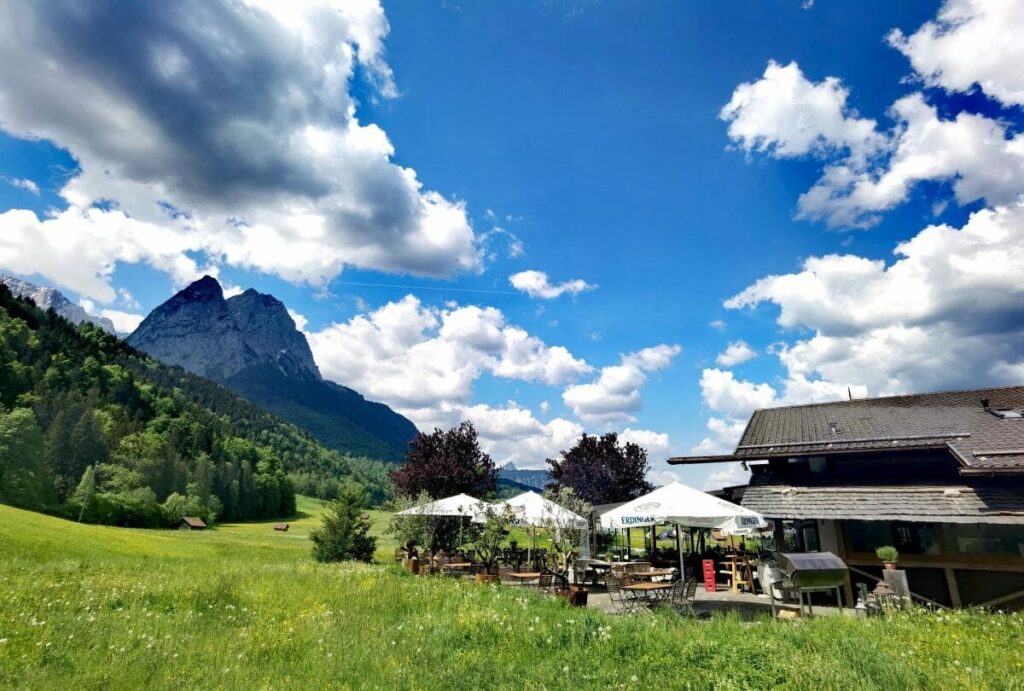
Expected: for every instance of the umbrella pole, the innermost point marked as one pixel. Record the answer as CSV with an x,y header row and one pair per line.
x,y
679,549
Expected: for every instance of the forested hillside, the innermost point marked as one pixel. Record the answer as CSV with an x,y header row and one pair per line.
x,y
90,426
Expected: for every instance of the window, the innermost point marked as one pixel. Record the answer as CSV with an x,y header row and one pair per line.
x,y
800,536
907,538
992,540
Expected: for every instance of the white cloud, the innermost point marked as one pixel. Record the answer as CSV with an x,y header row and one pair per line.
x,y
970,150
724,393
512,434
786,115
537,285
79,248
230,126
973,42
615,395
736,353
424,360
124,322
655,443
869,171
300,321
728,476
947,314
23,183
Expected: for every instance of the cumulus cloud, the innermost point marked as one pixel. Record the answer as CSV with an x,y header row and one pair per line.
x,y
947,314
786,115
736,353
972,42
615,395
423,360
231,126
656,443
974,152
869,171
537,285
79,248
512,433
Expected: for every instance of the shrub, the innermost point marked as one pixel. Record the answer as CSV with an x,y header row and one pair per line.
x,y
887,553
344,534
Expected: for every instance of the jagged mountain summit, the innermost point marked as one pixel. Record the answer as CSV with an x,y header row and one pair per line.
x,y
46,298
250,343
201,331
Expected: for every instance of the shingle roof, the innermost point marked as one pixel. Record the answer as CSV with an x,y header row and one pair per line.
x,y
960,503
981,441
194,521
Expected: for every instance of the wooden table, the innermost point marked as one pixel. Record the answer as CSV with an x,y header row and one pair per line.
x,y
652,573
454,566
651,592
524,575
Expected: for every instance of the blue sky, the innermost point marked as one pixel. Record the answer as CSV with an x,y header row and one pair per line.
x,y
585,140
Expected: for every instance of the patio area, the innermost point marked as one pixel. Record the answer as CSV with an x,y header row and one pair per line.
x,y
747,605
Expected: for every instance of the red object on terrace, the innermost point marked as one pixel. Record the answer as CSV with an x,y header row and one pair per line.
x,y
710,585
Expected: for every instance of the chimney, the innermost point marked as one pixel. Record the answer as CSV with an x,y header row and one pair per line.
x,y
984,403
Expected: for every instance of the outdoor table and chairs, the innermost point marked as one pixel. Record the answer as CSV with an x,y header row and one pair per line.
x,y
651,592
653,575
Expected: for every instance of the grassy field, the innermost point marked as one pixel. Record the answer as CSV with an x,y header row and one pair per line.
x,y
240,606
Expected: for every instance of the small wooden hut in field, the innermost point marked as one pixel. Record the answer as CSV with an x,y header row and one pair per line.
x,y
191,523
281,527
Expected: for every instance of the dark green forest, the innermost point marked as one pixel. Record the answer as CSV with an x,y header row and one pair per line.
x,y
92,428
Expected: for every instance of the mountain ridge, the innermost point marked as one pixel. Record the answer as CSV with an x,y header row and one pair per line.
x,y
46,298
249,343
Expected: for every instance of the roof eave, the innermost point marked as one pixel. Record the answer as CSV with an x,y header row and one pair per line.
x,y
693,460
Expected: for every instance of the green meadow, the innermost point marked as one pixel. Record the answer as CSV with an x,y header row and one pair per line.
x,y
243,607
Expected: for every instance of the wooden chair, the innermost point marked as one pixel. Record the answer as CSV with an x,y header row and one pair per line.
x,y
544,583
622,601
683,595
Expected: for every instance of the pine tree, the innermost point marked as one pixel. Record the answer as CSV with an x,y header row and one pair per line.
x,y
344,534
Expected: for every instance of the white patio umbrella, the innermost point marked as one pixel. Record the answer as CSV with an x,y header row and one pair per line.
x,y
533,510
682,505
459,505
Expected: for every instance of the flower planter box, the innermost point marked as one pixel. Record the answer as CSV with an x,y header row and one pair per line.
x,y
575,596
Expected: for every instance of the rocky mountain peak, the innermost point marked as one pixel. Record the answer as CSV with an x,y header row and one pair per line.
x,y
46,298
215,337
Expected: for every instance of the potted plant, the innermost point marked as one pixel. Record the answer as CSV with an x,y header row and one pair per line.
x,y
888,555
566,533
488,539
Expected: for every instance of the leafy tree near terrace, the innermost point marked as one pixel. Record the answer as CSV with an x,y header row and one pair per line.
x,y
445,463
344,534
601,470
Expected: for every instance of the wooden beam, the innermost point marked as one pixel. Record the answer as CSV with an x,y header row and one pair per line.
x,y
1005,598
954,588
